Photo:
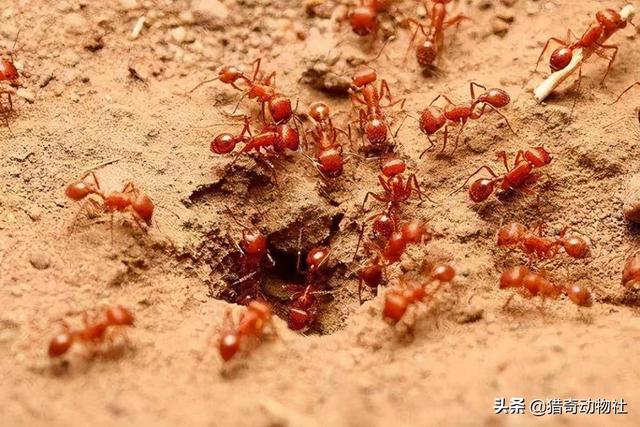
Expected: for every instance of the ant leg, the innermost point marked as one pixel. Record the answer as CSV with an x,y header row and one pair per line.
x,y
419,26
416,185
455,144
544,49
501,115
625,91
435,99
485,167
446,137
431,146
355,99
359,240
256,68
471,85
238,104
456,20
613,57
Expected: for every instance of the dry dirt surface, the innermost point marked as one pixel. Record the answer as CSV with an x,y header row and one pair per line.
x,y
94,97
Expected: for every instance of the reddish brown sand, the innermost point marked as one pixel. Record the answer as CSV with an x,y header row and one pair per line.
x,y
464,351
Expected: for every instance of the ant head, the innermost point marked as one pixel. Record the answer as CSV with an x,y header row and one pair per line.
x,y
298,319
8,71
512,277
376,131
119,316
254,243
481,189
143,206
331,162
60,344
317,257
538,156
371,275
560,58
413,231
78,190
576,247
610,20
393,167
319,111
383,226
579,295
395,305
426,53
395,247
280,108
431,120
288,137
262,309
496,97
364,76
229,74
511,234
223,143
363,20
443,273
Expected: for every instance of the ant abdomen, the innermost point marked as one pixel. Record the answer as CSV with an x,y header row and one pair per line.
x,y
431,120
60,344
426,53
280,108
511,234
363,20
498,98
513,277
560,58
223,143
331,162
376,131
144,207
481,189
8,71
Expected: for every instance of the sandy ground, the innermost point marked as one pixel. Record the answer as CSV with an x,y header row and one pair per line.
x,y
83,108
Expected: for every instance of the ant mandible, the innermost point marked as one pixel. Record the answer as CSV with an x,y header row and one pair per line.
x,y
129,199
372,120
520,177
251,327
432,44
532,242
433,118
95,330
608,21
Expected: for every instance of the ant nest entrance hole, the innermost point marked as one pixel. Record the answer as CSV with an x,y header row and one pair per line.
x,y
281,281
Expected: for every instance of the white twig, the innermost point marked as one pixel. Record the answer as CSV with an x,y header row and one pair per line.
x,y
555,79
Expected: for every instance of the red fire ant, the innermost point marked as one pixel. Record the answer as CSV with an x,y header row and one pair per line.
x,y
388,246
364,18
129,199
631,272
328,156
272,140
521,177
96,330
608,21
532,242
305,305
247,263
372,120
530,284
433,118
429,48
396,189
398,300
261,89
251,327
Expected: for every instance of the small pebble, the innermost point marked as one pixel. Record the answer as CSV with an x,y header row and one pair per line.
x,y
34,213
27,95
39,260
